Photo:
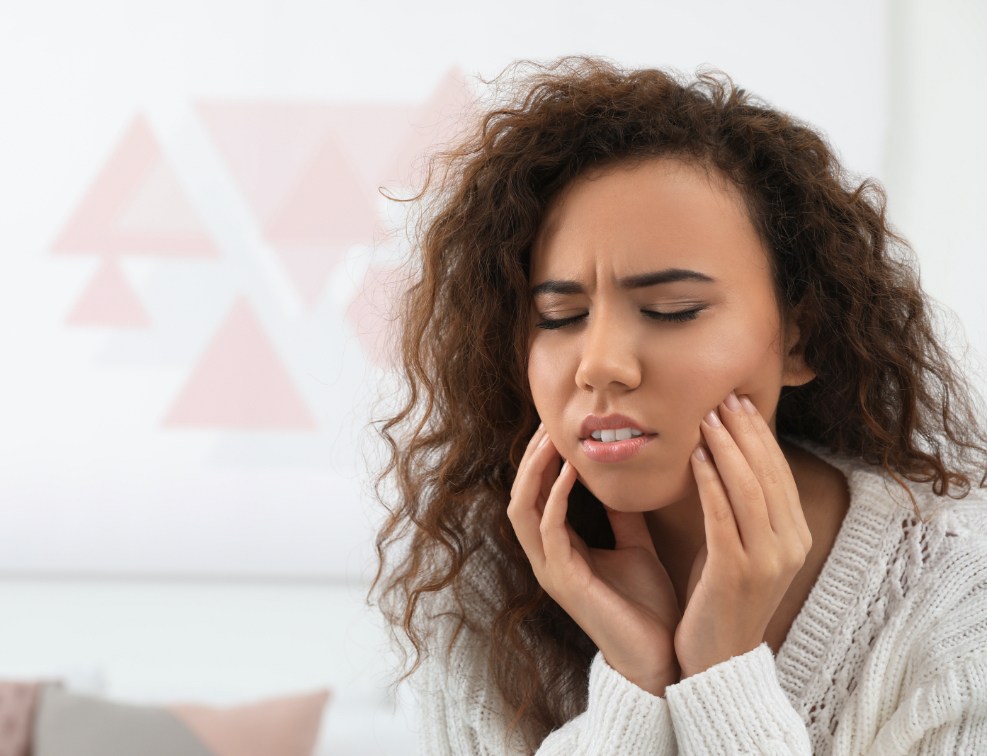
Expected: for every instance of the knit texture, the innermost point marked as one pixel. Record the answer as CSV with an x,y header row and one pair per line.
x,y
887,656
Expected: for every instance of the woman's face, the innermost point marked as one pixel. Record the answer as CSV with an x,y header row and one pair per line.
x,y
652,300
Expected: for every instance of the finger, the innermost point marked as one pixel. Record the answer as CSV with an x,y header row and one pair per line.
x,y
742,487
548,479
523,510
769,466
554,531
792,494
577,542
719,522
533,443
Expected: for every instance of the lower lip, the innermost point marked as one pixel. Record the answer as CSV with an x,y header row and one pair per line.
x,y
614,451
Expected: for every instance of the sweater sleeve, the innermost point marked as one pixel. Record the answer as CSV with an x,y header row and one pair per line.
x,y
619,718
461,713
737,706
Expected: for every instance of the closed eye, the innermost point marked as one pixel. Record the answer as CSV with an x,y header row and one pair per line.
x,y
551,323
680,316
674,317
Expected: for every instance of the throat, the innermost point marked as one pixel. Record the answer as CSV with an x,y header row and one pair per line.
x,y
678,535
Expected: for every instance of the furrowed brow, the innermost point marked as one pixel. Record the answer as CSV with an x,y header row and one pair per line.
x,y
670,275
640,281
557,287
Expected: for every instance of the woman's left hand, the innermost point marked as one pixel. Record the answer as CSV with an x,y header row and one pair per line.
x,y
757,538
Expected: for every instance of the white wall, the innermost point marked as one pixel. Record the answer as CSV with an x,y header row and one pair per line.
x,y
936,160
96,480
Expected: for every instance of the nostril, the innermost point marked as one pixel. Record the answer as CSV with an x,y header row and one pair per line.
x,y
598,371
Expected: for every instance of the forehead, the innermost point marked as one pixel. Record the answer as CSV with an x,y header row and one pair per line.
x,y
660,213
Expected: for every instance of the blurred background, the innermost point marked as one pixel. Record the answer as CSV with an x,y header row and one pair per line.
x,y
194,281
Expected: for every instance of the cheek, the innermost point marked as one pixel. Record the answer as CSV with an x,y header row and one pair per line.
x,y
735,359
550,383
544,378
539,375
751,364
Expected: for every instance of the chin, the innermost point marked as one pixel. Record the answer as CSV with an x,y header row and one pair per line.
x,y
627,492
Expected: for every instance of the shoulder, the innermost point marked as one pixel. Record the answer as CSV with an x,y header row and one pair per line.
x,y
909,524
474,596
954,554
455,682
935,549
457,621
914,553
939,534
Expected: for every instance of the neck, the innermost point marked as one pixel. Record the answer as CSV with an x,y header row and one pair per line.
x,y
678,534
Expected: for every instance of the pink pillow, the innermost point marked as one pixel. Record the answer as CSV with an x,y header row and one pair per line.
x,y
17,704
69,724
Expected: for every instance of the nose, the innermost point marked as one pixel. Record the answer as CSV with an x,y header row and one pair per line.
x,y
609,359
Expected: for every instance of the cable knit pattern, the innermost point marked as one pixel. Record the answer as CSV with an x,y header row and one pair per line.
x,y
887,656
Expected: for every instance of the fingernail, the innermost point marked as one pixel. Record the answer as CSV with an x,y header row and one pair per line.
x,y
700,454
565,467
713,419
543,441
732,403
749,406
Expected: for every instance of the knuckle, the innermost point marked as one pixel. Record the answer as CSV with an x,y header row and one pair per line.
x,y
771,475
795,556
750,489
806,538
722,513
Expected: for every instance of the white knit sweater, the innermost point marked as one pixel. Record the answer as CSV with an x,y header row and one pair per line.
x,y
887,656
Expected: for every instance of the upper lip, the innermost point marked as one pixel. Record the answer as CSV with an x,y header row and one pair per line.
x,y
609,422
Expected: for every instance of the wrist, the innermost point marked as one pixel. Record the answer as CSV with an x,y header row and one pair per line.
x,y
653,681
701,665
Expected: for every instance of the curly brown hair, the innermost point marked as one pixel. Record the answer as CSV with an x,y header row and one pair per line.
x,y
885,391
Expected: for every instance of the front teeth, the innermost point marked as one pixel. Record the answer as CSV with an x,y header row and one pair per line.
x,y
617,434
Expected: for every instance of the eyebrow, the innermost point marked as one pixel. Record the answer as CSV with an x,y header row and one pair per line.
x,y
640,281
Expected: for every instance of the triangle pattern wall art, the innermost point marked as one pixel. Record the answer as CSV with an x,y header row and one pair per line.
x,y
240,383
135,206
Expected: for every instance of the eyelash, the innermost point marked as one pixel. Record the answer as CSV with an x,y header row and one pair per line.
x,y
664,317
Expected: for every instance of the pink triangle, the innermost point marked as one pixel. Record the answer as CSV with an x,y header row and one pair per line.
x,y
240,383
439,122
369,133
328,205
308,266
136,206
266,146
284,726
325,213
372,315
109,300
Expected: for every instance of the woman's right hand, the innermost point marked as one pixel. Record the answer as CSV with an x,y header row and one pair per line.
x,y
622,598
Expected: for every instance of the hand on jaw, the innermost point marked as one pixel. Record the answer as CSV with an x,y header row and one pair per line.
x,y
756,542
757,538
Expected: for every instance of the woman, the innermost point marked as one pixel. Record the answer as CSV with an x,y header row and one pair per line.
x,y
680,463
